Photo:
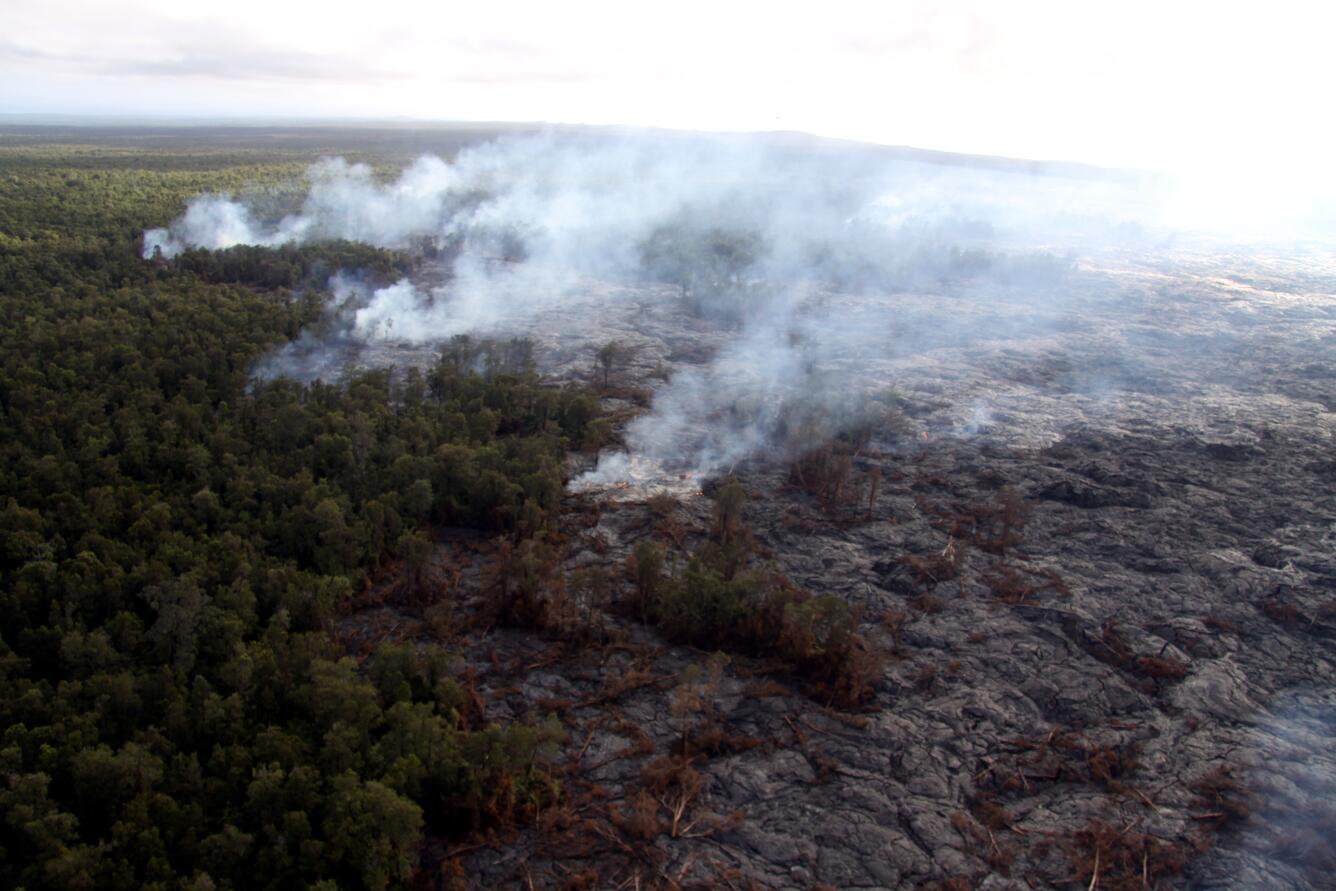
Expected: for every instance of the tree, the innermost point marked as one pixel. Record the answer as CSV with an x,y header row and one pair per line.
x,y
608,355
647,562
371,831
705,264
728,502
415,549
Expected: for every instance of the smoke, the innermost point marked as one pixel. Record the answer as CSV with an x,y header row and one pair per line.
x,y
584,202
1289,783
325,350
799,254
211,221
344,202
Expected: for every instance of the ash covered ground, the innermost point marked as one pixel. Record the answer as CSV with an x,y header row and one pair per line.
x,y
1088,519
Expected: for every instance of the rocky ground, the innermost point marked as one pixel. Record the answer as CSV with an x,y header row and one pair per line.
x,y
1100,565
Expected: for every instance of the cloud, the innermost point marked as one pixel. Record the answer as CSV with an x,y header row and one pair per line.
x,y
234,60
1031,79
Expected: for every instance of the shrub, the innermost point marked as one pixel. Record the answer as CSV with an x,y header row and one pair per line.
x,y
701,607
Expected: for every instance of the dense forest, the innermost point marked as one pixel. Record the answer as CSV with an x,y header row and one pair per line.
x,y
177,538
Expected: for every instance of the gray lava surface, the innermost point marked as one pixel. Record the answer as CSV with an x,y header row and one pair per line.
x,y
1138,687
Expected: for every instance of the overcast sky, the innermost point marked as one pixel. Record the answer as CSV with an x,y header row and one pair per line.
x,y
1164,85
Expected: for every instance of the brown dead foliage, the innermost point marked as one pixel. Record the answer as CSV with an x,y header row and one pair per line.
x,y
955,883
996,526
601,841
1154,671
713,740
585,880
1123,858
522,587
893,620
826,473
857,722
639,818
1063,756
515,585
795,520
983,843
1159,668
932,569
590,842
695,697
451,876
925,677
766,689
1119,650
618,684
1221,796
1016,585
993,815
1281,611
675,783
639,743
663,505
927,603
672,529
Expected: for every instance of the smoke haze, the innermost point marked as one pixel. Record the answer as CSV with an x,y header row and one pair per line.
x,y
799,253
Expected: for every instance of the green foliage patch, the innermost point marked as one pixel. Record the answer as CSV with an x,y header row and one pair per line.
x,y
175,538
720,601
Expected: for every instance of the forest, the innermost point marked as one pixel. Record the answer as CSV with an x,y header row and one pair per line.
x,y
177,538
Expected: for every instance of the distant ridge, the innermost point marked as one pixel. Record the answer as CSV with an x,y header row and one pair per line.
x,y
409,134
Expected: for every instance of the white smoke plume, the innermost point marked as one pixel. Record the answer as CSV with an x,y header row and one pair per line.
x,y
582,203
763,235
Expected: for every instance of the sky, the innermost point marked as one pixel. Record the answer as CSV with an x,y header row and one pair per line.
x,y
1171,86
